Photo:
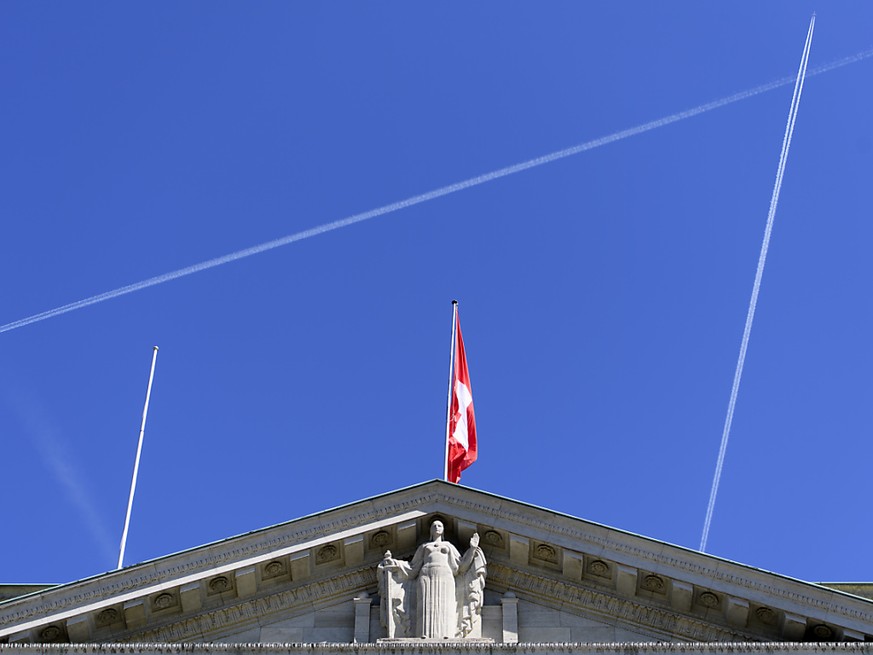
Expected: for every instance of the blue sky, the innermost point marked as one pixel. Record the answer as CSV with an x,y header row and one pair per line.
x,y
602,296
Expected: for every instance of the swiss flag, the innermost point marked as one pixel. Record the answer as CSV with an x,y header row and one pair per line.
x,y
462,422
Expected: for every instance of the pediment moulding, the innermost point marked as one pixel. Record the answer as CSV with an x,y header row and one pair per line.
x,y
313,550
542,556
633,550
159,622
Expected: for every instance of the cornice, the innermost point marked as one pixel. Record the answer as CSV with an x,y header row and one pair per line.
x,y
547,591
662,560
239,615
560,595
572,534
150,573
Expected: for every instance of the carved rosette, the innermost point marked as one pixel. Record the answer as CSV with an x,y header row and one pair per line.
x,y
163,601
380,539
51,634
327,553
546,553
274,569
493,538
708,599
599,568
821,632
766,615
108,616
219,584
654,583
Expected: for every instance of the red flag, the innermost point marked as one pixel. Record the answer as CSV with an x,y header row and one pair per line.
x,y
462,422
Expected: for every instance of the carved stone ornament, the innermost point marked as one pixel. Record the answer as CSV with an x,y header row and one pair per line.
x,y
766,615
50,634
822,632
494,538
546,553
599,568
274,569
438,595
708,599
654,583
219,584
380,539
164,601
326,553
108,616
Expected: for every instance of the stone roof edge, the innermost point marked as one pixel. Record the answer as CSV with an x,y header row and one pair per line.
x,y
420,499
213,553
436,484
830,587
213,544
689,551
694,563
10,591
438,648
858,589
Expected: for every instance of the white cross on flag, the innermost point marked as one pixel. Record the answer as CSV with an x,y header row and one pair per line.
x,y
462,448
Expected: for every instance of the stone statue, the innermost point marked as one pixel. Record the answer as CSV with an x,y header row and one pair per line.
x,y
438,595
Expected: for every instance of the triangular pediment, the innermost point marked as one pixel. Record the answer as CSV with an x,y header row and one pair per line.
x,y
550,578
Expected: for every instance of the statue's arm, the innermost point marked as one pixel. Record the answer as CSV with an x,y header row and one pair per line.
x,y
392,589
467,560
401,569
454,560
414,566
471,587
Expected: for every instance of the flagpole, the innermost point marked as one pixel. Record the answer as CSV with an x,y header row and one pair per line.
x,y
145,411
449,401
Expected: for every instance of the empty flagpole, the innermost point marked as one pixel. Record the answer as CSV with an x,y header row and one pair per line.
x,y
449,401
145,411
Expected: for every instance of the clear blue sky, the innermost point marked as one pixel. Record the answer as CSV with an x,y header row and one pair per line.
x,y
602,296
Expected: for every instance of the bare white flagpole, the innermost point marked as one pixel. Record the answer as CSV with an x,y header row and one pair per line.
x,y
449,401
145,411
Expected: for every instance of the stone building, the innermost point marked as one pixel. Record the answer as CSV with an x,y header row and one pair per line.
x,y
378,576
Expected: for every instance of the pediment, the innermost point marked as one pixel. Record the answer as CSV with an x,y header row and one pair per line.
x,y
559,578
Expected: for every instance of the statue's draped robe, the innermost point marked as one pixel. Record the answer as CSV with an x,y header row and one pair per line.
x,y
436,615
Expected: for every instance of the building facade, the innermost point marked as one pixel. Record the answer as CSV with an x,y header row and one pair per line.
x,y
379,576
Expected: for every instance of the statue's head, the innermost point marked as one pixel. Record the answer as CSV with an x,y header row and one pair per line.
x,y
436,530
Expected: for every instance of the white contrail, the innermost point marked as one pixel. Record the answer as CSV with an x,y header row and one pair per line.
x,y
756,287
41,428
424,197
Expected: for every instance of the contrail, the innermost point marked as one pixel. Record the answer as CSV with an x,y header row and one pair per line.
x,y
425,197
762,260
42,430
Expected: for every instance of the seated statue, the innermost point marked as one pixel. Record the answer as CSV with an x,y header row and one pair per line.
x,y
438,595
